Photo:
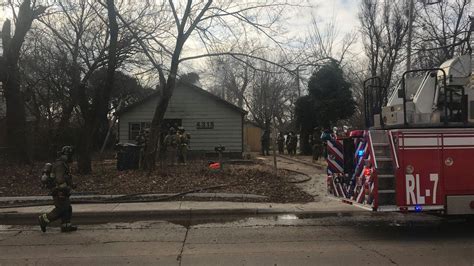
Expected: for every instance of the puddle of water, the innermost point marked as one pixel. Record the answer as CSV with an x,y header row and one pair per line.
x,y
5,227
261,220
288,217
202,221
217,221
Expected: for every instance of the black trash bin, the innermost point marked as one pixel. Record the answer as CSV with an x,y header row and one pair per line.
x,y
128,156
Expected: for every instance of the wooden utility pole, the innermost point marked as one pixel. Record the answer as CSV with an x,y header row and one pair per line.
x,y
274,147
410,33
298,81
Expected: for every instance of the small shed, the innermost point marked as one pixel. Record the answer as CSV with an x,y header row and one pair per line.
x,y
210,120
252,137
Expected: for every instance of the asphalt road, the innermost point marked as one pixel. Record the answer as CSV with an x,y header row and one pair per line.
x,y
367,239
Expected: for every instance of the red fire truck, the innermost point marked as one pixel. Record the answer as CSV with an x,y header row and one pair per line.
x,y
418,151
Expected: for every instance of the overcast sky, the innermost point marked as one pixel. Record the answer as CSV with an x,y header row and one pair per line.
x,y
344,11
298,20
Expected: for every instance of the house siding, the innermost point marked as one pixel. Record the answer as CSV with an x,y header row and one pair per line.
x,y
191,107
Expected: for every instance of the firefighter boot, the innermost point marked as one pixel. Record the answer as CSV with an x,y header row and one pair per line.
x,y
43,222
66,228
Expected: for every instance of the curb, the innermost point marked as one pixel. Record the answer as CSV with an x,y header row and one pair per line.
x,y
127,216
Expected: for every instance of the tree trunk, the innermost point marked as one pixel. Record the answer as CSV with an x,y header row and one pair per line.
x,y
154,143
304,142
16,118
84,149
167,91
109,131
94,114
153,146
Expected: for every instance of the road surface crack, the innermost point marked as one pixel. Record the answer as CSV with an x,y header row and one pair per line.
x,y
12,236
380,254
365,249
180,255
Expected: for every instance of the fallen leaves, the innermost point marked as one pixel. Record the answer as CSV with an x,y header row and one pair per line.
x,y
244,179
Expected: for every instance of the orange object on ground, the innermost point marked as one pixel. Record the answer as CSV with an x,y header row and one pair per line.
x,y
215,166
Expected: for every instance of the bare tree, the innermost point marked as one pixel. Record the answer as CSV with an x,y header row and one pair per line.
x,y
272,95
325,42
265,90
207,22
440,32
231,79
16,118
96,110
384,27
86,37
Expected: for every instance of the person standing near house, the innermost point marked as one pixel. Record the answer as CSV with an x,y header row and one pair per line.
x,y
345,131
288,142
294,143
326,136
183,143
316,144
281,143
265,141
59,180
171,145
142,140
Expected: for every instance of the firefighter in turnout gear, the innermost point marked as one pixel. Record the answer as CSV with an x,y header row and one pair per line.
x,y
171,146
183,143
281,143
316,144
265,141
292,143
57,178
142,141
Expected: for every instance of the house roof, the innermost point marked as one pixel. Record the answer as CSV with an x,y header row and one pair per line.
x,y
187,85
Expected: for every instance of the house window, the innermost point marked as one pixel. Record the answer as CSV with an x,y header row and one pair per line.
x,y
135,128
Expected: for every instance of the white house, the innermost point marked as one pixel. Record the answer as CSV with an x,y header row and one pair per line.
x,y
210,120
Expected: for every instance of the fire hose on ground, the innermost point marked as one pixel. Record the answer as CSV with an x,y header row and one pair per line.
x,y
123,198
129,198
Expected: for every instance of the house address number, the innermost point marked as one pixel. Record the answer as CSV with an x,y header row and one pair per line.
x,y
205,125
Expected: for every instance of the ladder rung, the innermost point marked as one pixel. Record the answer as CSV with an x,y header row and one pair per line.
x,y
383,159
385,176
380,144
387,191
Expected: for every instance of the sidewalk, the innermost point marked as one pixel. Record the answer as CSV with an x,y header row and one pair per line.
x,y
176,209
316,186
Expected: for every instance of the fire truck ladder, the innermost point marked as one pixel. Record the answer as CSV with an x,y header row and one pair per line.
x,y
383,167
